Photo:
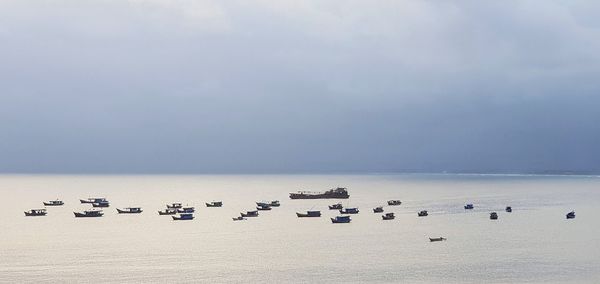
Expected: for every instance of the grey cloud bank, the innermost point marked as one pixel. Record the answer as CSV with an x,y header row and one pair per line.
x,y
299,86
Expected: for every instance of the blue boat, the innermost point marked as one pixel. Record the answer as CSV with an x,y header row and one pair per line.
x,y
101,204
184,216
349,211
186,210
469,206
341,219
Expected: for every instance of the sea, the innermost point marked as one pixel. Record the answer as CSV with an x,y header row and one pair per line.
x,y
533,244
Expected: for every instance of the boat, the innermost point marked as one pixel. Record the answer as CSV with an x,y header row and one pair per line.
x,y
394,202
571,215
388,216
54,203
422,213
508,209
240,218
378,209
349,211
250,214
184,216
336,206
263,207
340,192
341,219
168,211
275,203
215,204
469,206
101,204
130,210
309,214
93,200
36,212
437,239
89,213
175,205
186,210
494,216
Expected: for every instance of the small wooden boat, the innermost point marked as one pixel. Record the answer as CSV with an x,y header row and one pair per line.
x,y
36,212
341,219
494,216
275,203
378,209
508,209
571,215
101,204
469,206
250,214
214,204
54,203
93,200
175,205
130,210
309,214
349,211
394,202
89,213
240,218
183,216
168,211
388,216
263,207
186,210
422,213
336,206
437,239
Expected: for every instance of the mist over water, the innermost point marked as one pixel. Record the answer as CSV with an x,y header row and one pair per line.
x,y
534,244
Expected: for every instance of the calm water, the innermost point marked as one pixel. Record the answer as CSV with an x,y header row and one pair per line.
x,y
533,244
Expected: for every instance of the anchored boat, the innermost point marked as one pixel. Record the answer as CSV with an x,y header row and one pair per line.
x,y
36,212
340,192
130,210
341,219
175,205
336,206
89,213
54,203
349,211
215,204
101,204
378,209
184,216
263,207
571,215
250,214
186,210
168,211
508,209
469,206
309,214
93,200
437,239
394,202
494,216
388,216
422,213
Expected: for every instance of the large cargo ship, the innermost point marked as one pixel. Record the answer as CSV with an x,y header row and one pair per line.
x,y
339,192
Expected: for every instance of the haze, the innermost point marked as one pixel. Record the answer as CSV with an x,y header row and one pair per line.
x,y
299,86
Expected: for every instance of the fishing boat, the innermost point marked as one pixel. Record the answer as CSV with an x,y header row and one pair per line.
x,y
340,192
36,212
54,203
101,204
422,213
175,205
508,209
336,206
275,203
437,239
168,211
93,200
186,210
571,215
469,206
349,211
240,218
388,216
494,216
89,213
250,214
130,210
214,204
309,214
264,207
378,209
183,216
394,202
341,219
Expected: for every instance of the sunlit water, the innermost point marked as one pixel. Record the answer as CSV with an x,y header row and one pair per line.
x,y
535,243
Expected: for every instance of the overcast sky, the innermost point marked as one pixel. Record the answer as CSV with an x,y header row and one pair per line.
x,y
299,86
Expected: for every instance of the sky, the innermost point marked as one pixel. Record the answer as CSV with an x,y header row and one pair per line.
x,y
153,86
